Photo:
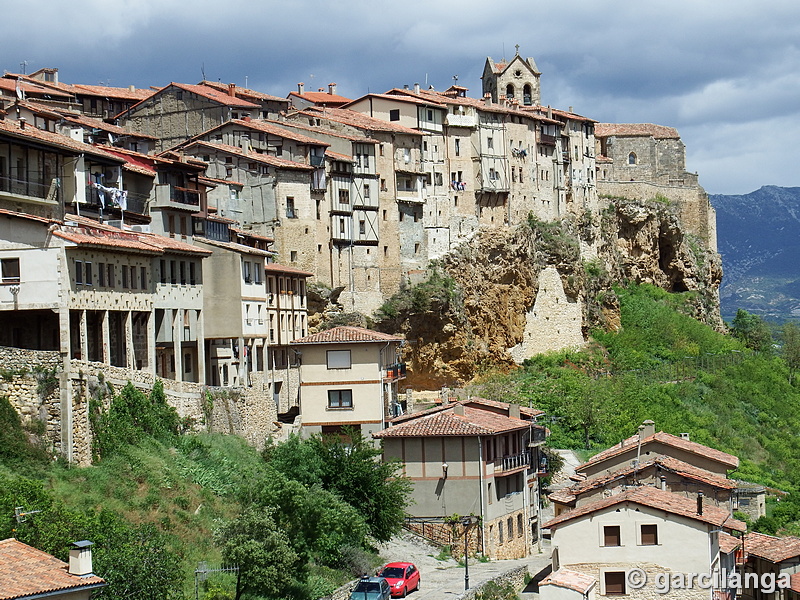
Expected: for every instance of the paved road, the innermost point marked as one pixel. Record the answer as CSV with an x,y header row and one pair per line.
x,y
445,578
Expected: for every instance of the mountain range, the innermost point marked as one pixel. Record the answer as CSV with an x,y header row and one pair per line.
x,y
757,236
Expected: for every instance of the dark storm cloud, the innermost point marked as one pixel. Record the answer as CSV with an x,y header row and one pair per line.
x,y
725,74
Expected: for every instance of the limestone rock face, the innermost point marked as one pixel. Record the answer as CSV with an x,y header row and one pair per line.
x,y
518,292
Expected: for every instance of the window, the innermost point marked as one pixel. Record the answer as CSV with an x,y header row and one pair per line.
x,y
490,143
112,280
519,525
340,398
500,531
143,278
291,213
458,146
10,270
246,266
362,227
430,115
632,158
133,278
183,272
192,274
366,191
510,526
338,359
344,196
293,256
88,272
163,276
394,114
173,272
614,583
101,274
258,269
341,225
649,535
79,272
611,535
124,277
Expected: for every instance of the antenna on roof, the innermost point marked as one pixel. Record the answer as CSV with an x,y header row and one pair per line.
x,y
20,514
203,70
455,79
22,66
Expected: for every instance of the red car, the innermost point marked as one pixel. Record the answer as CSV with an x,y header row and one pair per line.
x,y
403,577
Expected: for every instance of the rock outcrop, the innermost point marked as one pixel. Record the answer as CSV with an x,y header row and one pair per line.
x,y
510,293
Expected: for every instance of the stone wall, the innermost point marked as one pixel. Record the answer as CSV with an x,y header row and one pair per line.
x,y
514,577
247,412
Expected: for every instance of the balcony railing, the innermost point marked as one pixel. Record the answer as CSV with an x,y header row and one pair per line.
x,y
33,189
513,461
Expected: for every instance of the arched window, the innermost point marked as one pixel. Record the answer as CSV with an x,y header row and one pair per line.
x,y
509,91
632,158
526,95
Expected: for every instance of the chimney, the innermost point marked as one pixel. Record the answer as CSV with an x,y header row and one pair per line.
x,y
320,89
663,483
80,558
301,88
332,89
549,112
649,428
232,90
513,411
685,436
131,88
487,99
416,88
570,109
699,503
405,86
458,409
22,122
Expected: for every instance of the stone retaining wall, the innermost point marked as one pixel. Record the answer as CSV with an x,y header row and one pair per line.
x,y
248,412
514,577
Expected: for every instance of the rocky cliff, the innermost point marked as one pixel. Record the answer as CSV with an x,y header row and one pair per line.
x,y
510,293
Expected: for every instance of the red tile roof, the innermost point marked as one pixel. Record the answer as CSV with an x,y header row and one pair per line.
x,y
579,582
294,123
215,95
94,237
268,159
658,499
659,132
274,128
345,335
321,98
728,543
55,140
120,93
359,120
28,87
794,582
771,548
662,462
444,421
667,439
276,268
93,123
26,571
242,92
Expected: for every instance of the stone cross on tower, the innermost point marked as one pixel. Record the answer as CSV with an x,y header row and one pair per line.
x,y
517,47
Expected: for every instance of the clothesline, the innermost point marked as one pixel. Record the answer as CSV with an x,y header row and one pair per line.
x,y
115,195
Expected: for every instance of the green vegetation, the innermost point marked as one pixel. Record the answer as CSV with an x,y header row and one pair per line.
x,y
437,291
157,503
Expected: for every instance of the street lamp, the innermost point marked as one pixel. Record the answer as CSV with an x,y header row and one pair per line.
x,y
467,522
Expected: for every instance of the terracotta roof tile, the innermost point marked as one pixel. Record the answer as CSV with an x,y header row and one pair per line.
x,y
276,268
321,98
274,127
659,132
120,93
729,543
474,422
294,123
28,87
667,439
794,582
56,140
658,499
268,159
215,95
241,248
344,334
771,548
95,237
26,571
85,121
242,92
662,462
579,582
361,121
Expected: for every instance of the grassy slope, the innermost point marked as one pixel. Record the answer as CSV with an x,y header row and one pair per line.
x,y
683,375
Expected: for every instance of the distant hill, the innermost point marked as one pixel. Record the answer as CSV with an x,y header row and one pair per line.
x,y
759,240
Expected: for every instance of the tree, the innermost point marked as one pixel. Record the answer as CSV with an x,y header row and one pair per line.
x,y
791,348
752,330
262,551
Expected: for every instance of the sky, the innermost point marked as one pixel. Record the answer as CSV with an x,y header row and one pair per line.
x,y
726,74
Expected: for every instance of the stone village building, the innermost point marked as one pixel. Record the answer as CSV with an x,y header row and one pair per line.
x,y
360,194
